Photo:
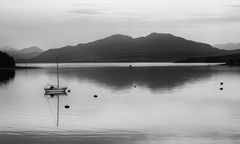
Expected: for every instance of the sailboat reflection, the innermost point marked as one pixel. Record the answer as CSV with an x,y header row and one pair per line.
x,y
50,95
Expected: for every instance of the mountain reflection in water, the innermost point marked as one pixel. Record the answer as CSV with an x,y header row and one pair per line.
x,y
170,104
155,78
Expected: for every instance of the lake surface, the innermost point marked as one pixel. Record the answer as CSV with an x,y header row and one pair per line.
x,y
145,103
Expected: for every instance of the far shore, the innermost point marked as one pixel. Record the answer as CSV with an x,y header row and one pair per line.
x,y
32,66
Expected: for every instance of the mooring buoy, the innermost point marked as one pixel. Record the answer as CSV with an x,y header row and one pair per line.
x,y
67,106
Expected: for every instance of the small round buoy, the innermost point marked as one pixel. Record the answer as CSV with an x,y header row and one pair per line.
x,y
221,88
69,90
221,83
95,96
135,86
130,66
67,106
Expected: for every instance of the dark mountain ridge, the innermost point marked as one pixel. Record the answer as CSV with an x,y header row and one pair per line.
x,y
156,47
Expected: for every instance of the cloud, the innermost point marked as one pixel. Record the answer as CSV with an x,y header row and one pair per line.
x,y
86,12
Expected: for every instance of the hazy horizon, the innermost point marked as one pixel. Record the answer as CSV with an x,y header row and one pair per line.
x,y
57,23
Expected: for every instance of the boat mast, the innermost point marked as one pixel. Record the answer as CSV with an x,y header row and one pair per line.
x,y
57,95
57,74
58,110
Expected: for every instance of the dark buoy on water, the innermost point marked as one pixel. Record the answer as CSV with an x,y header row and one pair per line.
x,y
130,66
69,90
221,88
95,96
221,83
135,86
67,106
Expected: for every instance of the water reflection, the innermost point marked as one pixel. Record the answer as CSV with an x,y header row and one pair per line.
x,y
55,95
95,113
155,78
6,76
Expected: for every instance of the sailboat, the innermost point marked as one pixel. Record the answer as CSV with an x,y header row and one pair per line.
x,y
55,89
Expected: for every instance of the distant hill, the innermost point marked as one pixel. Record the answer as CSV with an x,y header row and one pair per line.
x,y
9,50
27,53
6,61
156,47
30,50
23,54
228,46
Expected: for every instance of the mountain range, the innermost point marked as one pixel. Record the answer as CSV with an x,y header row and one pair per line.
x,y
23,54
155,47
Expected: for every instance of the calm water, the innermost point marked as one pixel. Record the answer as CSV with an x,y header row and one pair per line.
x,y
148,103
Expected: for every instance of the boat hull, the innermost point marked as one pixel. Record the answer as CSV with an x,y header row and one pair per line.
x,y
55,90
55,94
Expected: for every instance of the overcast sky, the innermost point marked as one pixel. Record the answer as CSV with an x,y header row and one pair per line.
x,y
56,23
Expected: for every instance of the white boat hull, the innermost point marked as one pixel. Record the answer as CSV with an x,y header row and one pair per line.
x,y
55,90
